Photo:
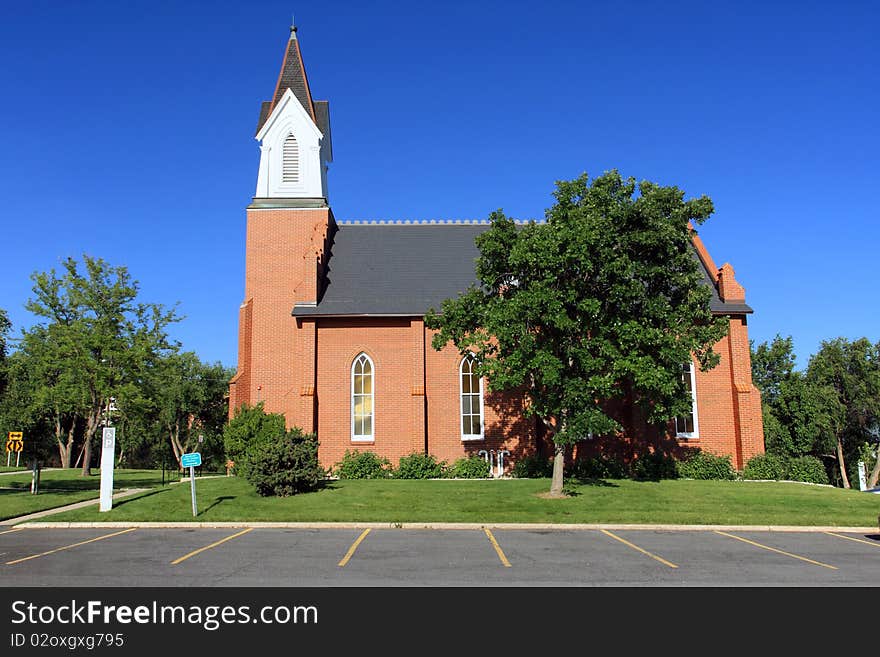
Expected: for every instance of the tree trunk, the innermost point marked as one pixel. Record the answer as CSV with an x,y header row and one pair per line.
x,y
841,463
875,471
91,428
174,437
64,449
558,465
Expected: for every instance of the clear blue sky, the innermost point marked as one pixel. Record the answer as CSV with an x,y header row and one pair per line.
x,y
126,132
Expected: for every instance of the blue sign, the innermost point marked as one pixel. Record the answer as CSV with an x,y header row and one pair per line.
x,y
192,460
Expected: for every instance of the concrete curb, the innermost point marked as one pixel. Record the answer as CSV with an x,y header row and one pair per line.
x,y
440,525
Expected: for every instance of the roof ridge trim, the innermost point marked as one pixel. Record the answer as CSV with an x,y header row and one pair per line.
x,y
425,222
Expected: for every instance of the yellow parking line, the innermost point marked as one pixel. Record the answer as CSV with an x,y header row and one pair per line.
x,y
9,531
67,547
353,547
772,549
636,547
208,547
498,549
857,540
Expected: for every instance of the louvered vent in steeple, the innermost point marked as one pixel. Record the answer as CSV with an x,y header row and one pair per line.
x,y
290,160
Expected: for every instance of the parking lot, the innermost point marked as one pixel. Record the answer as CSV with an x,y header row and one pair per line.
x,y
385,556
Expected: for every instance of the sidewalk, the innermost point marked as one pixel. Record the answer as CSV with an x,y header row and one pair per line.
x,y
78,505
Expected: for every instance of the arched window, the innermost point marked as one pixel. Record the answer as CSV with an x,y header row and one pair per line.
x,y
290,160
686,426
471,400
362,408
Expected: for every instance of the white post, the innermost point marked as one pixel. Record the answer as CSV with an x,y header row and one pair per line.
x,y
17,458
107,462
192,484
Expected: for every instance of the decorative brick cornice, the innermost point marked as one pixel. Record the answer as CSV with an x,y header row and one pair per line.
x,y
728,288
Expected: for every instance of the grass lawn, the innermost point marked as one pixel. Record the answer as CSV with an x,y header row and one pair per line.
x,y
12,468
621,501
61,487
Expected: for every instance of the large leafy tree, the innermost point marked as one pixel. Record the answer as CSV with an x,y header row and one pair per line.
x,y
798,413
96,331
591,313
849,372
189,398
46,390
772,365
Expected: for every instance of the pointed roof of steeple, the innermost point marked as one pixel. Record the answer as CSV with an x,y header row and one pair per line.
x,y
293,77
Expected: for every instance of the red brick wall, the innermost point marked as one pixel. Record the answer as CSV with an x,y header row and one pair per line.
x,y
388,342
728,404
283,252
505,425
416,390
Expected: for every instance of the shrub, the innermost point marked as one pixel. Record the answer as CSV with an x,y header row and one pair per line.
x,y
533,466
362,465
653,467
766,466
470,467
599,467
702,465
807,468
285,467
249,429
419,466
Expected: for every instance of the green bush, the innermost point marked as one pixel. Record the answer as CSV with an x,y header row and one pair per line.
x,y
599,467
807,468
250,429
419,466
470,467
362,465
702,465
533,466
653,467
766,466
285,467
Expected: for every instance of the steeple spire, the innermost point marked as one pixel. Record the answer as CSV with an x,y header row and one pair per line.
x,y
293,77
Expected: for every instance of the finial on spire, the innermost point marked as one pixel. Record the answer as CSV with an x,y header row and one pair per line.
x,y
292,27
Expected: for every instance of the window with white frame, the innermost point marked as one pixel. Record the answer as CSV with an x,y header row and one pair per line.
x,y
362,407
686,426
471,400
290,160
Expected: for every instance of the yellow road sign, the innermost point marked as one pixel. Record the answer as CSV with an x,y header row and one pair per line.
x,y
15,441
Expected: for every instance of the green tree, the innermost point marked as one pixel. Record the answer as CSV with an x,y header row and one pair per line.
x,y
47,389
849,373
98,333
772,364
805,411
5,328
190,399
601,303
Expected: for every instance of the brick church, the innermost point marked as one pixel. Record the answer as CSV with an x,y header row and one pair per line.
x,y
332,334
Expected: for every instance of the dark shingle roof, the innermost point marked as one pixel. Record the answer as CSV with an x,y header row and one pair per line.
x,y
322,115
293,77
405,269
397,269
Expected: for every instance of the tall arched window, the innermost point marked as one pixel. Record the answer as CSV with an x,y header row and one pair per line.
x,y
362,408
290,160
471,400
687,426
